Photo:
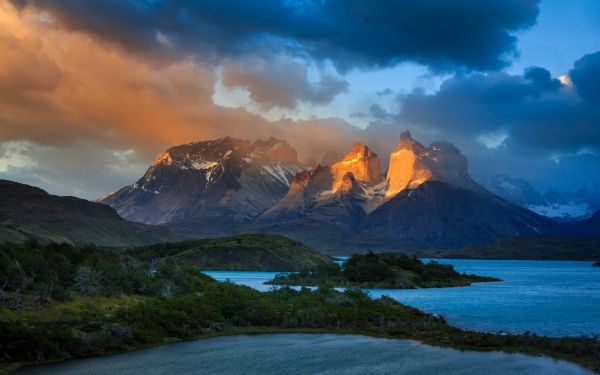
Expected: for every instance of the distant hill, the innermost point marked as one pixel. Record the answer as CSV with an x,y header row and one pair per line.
x,y
532,247
27,212
256,252
327,238
559,206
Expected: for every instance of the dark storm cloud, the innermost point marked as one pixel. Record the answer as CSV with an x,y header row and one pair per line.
x,y
586,77
385,92
540,80
378,113
534,111
443,35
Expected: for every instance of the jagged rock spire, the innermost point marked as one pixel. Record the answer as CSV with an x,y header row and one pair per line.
x,y
362,162
412,164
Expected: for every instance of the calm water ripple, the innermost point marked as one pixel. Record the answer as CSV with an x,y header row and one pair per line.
x,y
309,354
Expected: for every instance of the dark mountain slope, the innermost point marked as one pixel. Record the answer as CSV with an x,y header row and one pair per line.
x,y
28,212
437,213
589,227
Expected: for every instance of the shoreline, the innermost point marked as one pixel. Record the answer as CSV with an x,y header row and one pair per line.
x,y
422,339
376,287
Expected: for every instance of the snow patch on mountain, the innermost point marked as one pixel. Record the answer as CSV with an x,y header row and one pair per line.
x,y
281,172
556,205
203,165
564,211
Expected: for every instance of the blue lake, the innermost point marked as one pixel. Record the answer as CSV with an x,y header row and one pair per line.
x,y
309,354
555,298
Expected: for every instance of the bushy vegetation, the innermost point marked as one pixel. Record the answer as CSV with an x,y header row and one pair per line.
x,y
111,302
62,272
389,270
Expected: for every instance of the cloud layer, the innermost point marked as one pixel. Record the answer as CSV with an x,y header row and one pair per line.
x,y
126,79
441,34
531,111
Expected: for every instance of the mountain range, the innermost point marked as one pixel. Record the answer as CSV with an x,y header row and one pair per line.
x,y
229,185
559,206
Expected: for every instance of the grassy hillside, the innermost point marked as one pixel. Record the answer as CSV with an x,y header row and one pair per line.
x,y
382,271
256,252
531,247
27,213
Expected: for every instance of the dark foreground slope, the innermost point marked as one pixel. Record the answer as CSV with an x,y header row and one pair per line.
x,y
89,302
27,212
255,252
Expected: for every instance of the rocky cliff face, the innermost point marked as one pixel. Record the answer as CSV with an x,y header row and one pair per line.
x,y
342,193
227,176
362,163
412,164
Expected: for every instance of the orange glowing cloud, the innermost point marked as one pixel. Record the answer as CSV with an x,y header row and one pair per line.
x,y
58,86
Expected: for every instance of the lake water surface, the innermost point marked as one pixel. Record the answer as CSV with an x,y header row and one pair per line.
x,y
555,298
309,354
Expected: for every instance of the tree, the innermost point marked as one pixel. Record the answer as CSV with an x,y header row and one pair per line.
x,y
86,281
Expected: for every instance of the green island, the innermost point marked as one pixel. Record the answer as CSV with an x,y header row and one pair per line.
x,y
60,301
381,271
596,264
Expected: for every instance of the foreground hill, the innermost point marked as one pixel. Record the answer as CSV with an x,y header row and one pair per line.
x,y
255,252
90,301
532,247
27,212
